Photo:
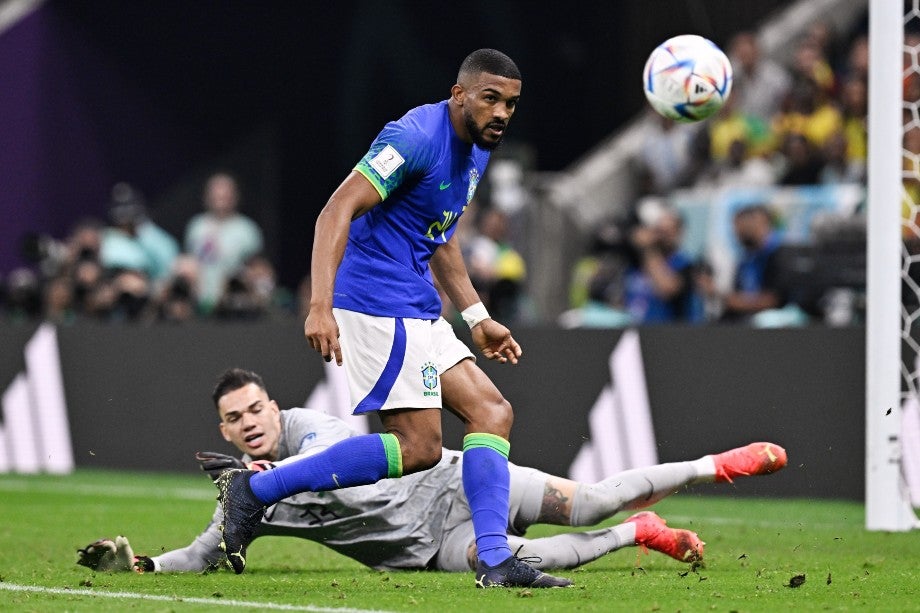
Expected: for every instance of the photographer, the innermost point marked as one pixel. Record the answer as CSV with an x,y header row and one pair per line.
x,y
659,284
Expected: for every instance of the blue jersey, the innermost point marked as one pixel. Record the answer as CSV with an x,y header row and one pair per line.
x,y
426,177
646,307
757,269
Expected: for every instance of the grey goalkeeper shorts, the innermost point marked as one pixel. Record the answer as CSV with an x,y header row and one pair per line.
x,y
458,543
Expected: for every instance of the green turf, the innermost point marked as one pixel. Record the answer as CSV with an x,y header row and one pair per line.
x,y
754,548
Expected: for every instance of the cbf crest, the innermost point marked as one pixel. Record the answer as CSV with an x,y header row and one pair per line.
x,y
430,378
474,181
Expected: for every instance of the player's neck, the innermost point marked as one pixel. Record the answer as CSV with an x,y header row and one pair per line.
x,y
455,114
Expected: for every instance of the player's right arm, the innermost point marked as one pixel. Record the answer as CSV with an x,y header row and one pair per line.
x,y
354,197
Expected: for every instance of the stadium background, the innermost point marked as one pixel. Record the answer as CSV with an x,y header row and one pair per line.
x,y
288,98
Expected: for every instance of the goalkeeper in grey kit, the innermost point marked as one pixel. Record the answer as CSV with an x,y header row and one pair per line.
x,y
422,521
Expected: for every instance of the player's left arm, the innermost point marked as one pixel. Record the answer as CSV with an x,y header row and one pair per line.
x,y
492,338
450,270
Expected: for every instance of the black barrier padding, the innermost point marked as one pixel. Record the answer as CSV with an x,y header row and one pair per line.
x,y
551,389
139,397
718,387
13,339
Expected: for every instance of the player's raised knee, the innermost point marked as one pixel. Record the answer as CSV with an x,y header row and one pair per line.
x,y
495,417
420,453
421,460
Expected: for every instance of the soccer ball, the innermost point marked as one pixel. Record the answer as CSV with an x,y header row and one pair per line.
x,y
687,78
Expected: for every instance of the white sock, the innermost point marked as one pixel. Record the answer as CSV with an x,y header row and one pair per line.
x,y
705,469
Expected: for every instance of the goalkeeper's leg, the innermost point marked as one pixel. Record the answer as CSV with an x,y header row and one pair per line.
x,y
645,529
541,498
458,543
573,549
538,497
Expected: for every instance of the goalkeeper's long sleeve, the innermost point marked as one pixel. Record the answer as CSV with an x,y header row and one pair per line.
x,y
203,553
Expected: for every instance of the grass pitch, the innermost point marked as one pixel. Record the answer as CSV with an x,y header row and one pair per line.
x,y
761,555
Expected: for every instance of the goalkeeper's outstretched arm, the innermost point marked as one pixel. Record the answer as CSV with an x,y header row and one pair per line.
x,y
117,555
202,554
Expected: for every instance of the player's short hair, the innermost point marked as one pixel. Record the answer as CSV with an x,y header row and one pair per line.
x,y
490,61
233,379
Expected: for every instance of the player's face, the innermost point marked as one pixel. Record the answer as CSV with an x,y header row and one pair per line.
x,y
487,102
251,421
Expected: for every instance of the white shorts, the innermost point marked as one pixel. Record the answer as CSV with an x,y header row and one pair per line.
x,y
394,362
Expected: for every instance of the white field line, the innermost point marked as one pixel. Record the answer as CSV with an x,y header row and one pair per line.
x,y
97,490
214,602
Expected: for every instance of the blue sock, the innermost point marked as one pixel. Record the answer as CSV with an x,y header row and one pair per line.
x,y
359,460
486,482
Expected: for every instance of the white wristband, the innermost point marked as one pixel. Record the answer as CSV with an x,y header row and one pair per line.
x,y
474,314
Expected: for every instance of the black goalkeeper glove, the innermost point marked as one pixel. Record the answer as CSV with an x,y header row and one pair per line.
x,y
108,555
216,464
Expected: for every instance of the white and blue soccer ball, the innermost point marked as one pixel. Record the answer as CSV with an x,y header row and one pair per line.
x,y
687,78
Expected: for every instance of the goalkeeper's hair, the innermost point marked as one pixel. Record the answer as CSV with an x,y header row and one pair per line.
x,y
233,379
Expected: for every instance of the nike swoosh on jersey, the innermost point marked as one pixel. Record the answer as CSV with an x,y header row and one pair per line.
x,y
444,185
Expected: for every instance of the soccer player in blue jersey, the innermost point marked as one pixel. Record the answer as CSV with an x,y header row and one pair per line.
x,y
375,309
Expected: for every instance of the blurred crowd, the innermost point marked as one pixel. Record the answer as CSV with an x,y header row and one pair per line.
x,y
798,123
127,268
801,123
795,123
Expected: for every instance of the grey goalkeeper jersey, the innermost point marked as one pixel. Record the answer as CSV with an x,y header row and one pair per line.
x,y
392,524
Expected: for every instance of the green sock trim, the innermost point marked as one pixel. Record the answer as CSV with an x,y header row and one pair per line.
x,y
492,441
394,455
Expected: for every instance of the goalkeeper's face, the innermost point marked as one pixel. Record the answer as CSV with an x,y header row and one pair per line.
x,y
251,421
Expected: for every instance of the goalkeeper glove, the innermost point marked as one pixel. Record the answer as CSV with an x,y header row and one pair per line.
x,y
215,464
108,555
